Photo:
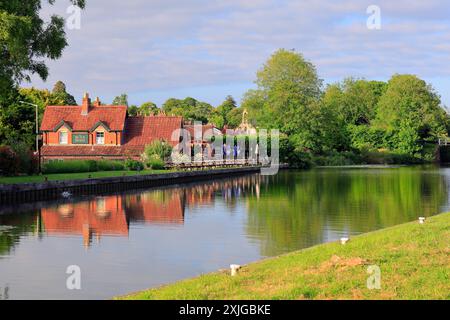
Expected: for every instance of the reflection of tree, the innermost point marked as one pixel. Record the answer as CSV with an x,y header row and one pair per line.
x,y
13,226
300,208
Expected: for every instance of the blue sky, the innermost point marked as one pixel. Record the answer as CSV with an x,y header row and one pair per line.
x,y
155,50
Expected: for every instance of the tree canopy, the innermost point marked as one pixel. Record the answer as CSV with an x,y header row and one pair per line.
x,y
26,41
189,108
121,100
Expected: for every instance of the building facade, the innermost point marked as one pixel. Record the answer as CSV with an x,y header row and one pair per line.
x,y
96,131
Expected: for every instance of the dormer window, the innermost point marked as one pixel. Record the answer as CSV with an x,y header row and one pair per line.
x,y
100,138
63,137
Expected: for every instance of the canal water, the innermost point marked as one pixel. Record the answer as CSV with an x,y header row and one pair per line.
x,y
140,239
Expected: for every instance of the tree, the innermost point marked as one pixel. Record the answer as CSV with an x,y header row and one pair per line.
x,y
121,100
221,115
148,109
410,112
26,41
133,110
288,89
59,92
189,108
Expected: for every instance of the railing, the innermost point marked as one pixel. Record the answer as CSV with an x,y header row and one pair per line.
x,y
218,163
444,141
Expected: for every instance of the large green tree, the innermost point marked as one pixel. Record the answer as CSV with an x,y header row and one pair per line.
x,y
411,114
26,40
59,92
288,90
226,114
188,108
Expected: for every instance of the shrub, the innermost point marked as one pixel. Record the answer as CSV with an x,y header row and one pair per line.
x,y
134,165
105,165
9,162
78,166
387,157
160,148
156,164
335,158
68,166
27,161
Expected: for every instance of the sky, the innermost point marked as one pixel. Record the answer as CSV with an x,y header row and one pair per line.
x,y
159,49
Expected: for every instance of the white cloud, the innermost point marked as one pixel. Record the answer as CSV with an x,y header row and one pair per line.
x,y
135,46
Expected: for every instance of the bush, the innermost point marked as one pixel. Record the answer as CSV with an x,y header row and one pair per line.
x,y
156,164
334,158
105,165
27,161
387,157
9,162
68,166
79,166
133,165
160,148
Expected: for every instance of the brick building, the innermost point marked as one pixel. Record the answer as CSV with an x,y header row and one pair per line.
x,y
95,131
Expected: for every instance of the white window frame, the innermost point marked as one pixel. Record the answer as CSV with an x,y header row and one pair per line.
x,y
66,135
98,139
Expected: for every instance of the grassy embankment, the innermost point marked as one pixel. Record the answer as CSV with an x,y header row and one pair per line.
x,y
76,176
414,260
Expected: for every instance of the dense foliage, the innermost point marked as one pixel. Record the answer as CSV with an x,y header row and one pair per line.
x,y
78,166
190,109
26,40
355,121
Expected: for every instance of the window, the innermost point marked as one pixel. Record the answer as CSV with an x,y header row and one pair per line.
x,y
100,138
63,137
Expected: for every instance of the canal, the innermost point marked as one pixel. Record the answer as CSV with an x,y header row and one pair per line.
x,y
139,239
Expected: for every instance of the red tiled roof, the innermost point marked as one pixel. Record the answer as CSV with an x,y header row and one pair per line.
x,y
141,131
111,116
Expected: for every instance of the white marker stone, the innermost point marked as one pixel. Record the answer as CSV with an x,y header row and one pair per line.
x,y
234,269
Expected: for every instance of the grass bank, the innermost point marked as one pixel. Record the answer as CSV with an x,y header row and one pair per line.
x,y
413,259
76,176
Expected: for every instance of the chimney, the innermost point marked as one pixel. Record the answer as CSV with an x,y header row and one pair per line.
x,y
97,102
86,104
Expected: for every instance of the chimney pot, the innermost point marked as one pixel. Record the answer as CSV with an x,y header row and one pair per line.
x,y
97,102
86,104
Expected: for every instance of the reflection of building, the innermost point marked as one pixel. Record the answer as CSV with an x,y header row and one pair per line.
x,y
156,207
111,215
102,216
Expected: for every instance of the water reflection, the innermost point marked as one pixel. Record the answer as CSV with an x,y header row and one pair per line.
x,y
171,233
111,215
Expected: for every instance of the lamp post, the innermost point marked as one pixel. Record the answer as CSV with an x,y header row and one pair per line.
x,y
37,131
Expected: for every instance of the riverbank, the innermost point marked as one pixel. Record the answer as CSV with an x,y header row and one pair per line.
x,y
51,190
75,176
413,259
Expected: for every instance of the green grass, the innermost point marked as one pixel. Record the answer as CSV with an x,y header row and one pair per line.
x,y
76,176
414,260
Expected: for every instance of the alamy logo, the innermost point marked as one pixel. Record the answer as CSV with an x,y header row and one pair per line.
x,y
374,280
374,20
73,282
73,21
211,146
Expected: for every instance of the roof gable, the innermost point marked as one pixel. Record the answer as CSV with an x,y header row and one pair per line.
x,y
61,124
111,117
98,124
